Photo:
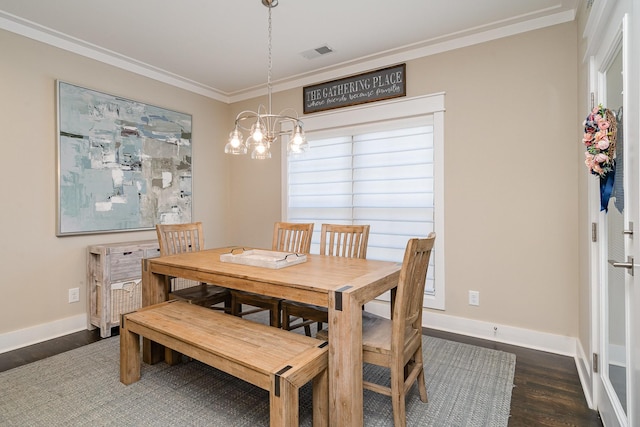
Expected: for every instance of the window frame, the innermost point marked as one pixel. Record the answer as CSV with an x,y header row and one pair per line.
x,y
430,109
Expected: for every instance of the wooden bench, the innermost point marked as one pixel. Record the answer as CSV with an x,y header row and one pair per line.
x,y
273,359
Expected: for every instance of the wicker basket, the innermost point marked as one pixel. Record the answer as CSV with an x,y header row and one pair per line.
x,y
178,283
613,132
125,297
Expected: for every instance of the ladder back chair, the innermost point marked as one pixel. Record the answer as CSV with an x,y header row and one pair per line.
x,y
348,241
180,238
397,343
287,237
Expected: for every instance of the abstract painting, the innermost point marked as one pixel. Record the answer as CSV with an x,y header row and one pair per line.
x,y
123,165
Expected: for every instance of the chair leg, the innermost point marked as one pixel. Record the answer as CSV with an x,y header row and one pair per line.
x,y
227,305
274,319
422,388
236,309
285,320
398,397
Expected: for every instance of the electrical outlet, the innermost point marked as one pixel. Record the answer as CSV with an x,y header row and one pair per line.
x,y
474,298
74,295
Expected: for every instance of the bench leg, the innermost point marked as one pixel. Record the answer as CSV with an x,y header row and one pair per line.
x,y
152,352
284,409
129,356
172,357
321,399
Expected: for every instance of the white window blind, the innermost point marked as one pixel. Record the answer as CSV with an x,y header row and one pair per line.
x,y
384,178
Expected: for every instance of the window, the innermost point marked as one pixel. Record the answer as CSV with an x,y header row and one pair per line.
x,y
379,173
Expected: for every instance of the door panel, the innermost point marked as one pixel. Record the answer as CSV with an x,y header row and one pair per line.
x,y
614,355
616,384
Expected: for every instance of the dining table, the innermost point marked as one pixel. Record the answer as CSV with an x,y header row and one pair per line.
x,y
343,285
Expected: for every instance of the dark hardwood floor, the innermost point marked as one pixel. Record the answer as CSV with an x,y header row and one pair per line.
x,y
547,389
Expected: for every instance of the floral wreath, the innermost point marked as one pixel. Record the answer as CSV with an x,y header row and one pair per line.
x,y
600,138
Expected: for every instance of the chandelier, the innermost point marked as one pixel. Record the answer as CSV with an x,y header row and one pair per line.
x,y
266,127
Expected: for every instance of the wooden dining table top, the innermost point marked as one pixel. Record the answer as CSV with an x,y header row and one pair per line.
x,y
310,281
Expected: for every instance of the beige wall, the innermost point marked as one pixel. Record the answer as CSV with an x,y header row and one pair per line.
x,y
38,267
511,176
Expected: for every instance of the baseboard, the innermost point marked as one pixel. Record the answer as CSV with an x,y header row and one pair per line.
x,y
494,332
583,364
46,331
528,338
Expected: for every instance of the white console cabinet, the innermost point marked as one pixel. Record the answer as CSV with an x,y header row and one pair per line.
x,y
114,282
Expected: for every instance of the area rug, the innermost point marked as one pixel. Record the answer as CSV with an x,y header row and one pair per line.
x,y
466,385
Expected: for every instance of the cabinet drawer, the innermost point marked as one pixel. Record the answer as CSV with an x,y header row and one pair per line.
x,y
152,253
125,265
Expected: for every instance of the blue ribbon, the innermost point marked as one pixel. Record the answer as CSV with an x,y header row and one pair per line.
x,y
606,188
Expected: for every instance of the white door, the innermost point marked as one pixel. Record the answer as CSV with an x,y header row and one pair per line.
x,y
616,88
617,254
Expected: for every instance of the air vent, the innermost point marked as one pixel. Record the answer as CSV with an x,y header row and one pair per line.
x,y
317,52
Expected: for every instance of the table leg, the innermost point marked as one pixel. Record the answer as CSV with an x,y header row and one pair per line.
x,y
345,361
153,292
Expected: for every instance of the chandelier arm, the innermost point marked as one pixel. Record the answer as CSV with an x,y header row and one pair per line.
x,y
282,113
265,118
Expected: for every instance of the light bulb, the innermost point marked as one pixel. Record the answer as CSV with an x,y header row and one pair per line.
x,y
261,151
298,135
234,144
235,139
256,132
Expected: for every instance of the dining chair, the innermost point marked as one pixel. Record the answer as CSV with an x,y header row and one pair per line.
x,y
180,238
287,237
396,343
348,241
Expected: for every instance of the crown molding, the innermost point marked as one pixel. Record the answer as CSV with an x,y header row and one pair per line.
x,y
45,35
431,47
383,59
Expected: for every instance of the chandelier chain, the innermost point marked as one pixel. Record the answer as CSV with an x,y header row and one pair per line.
x,y
270,61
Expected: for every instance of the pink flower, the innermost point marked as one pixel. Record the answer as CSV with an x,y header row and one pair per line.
x,y
600,135
603,124
589,160
603,144
601,158
588,138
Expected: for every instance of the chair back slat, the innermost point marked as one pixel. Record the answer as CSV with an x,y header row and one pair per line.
x,y
407,310
180,238
292,237
348,241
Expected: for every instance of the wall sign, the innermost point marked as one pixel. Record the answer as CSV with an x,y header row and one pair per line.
x,y
122,165
372,86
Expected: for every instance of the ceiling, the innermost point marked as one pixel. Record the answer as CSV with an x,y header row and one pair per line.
x,y
219,48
